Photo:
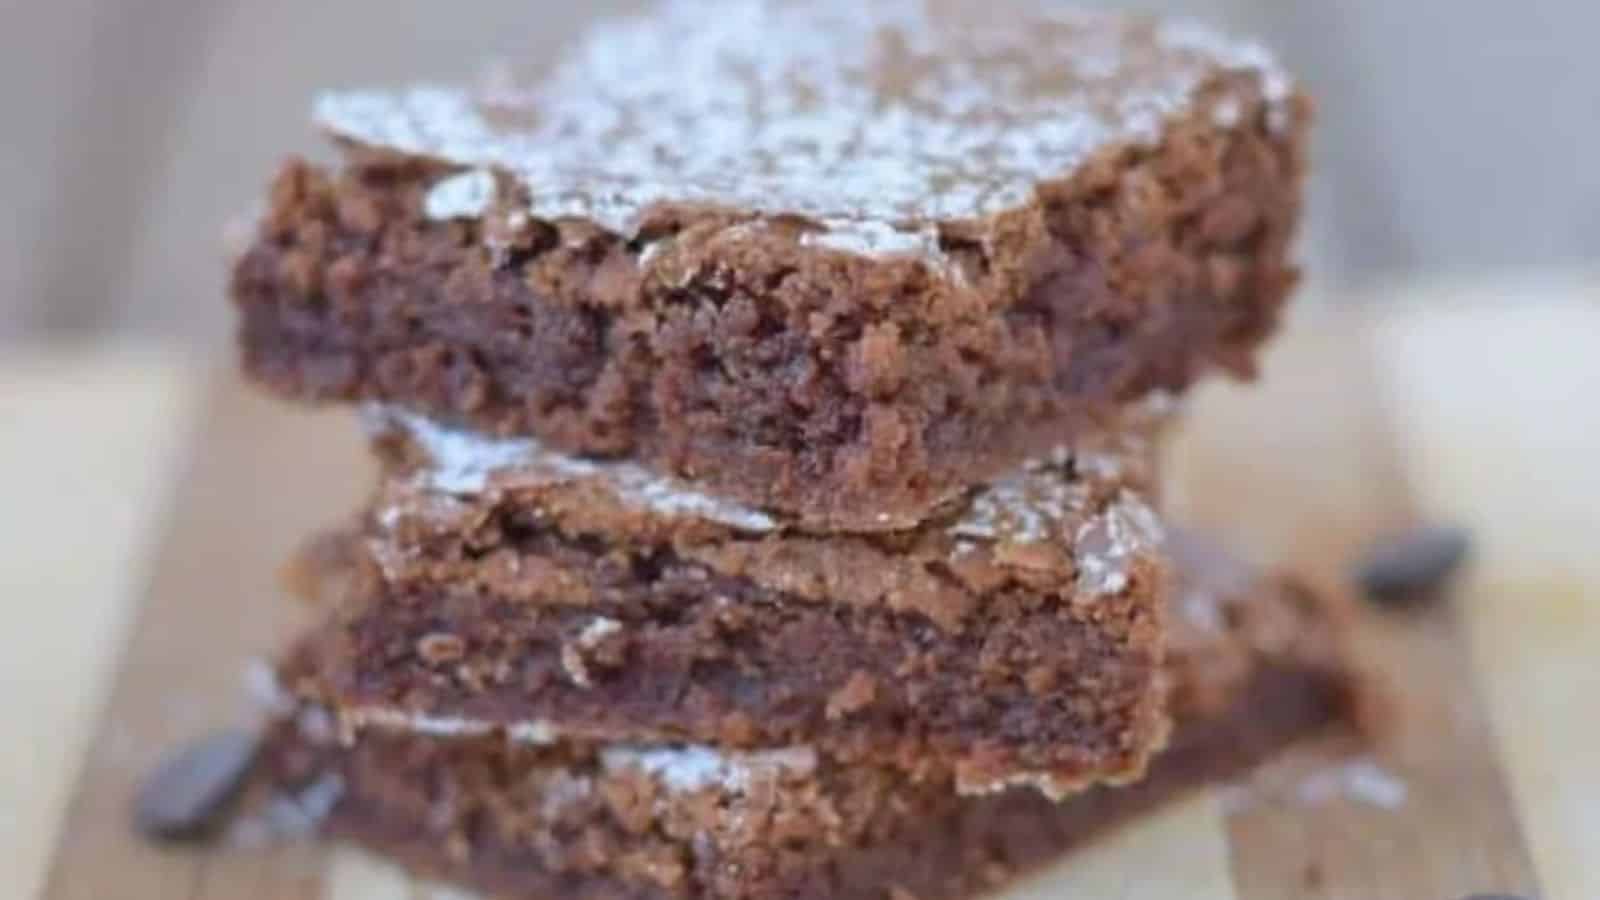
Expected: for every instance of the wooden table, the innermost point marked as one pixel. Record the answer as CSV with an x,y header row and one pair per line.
x,y
146,501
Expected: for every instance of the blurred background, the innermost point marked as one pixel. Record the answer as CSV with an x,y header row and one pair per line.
x,y
1456,135
146,504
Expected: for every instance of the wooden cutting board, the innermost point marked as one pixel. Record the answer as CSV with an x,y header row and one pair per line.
x,y
147,500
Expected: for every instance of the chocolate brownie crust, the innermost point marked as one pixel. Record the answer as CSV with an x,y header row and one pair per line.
x,y
745,349
638,821
1015,637
840,835
1047,696
457,509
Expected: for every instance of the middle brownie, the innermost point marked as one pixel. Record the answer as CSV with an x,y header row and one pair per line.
x,y
1014,638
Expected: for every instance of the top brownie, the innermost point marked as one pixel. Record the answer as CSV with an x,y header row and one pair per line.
x,y
836,260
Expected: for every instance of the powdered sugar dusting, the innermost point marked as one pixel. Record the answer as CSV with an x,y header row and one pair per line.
x,y
572,654
1276,85
1108,545
464,195
463,462
1028,507
893,112
875,239
1055,500
598,630
1035,503
1054,788
693,767
534,731
1227,113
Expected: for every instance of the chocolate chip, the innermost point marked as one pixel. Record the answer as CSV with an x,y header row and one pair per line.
x,y
1494,897
1408,569
189,793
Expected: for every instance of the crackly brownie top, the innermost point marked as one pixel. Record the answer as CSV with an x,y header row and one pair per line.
x,y
1074,521
875,119
1024,506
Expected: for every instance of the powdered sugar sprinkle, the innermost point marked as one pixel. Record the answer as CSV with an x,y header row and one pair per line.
x,y
694,767
1041,503
465,195
882,114
533,731
1108,545
464,462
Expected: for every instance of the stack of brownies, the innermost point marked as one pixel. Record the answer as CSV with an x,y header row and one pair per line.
x,y
767,399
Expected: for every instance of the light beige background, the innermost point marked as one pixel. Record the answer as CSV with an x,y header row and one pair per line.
x,y
1456,134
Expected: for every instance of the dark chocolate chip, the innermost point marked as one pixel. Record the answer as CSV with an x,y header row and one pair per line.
x,y
192,790
1408,569
1494,897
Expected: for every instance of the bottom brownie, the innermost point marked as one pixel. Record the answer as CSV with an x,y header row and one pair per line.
x,y
1254,664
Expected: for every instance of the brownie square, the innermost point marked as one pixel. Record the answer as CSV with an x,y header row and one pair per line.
x,y
834,260
1014,637
1256,663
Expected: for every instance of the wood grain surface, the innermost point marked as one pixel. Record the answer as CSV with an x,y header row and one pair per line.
x,y
150,502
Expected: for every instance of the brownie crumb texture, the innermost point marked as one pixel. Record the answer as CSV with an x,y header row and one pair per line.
x,y
844,276
766,396
640,820
862,116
